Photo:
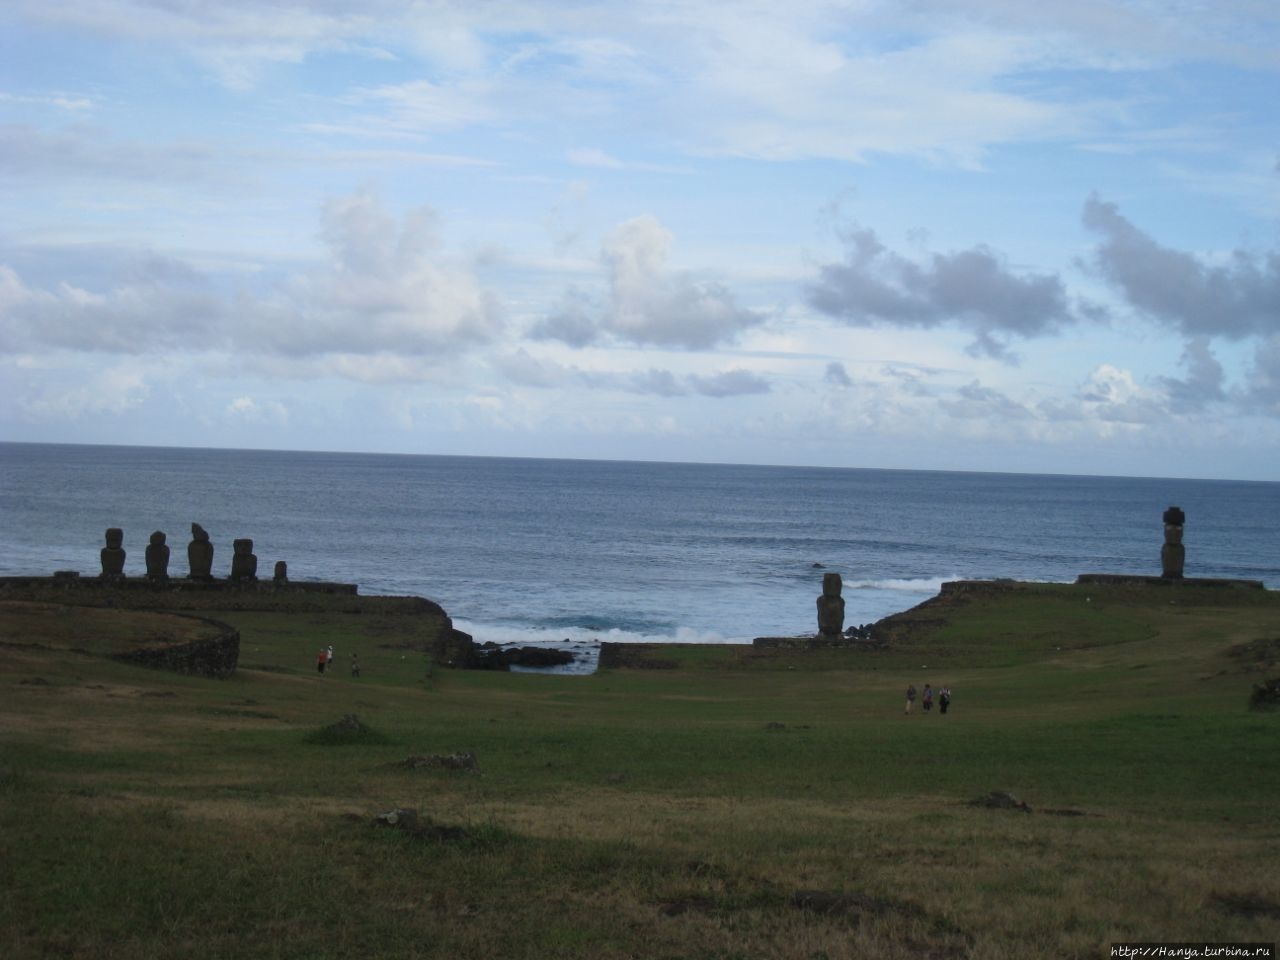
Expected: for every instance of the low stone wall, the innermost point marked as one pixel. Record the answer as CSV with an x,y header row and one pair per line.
x,y
215,656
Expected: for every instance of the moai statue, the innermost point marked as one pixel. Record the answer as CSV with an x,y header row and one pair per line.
x,y
1173,555
831,607
113,553
282,572
157,558
200,554
244,565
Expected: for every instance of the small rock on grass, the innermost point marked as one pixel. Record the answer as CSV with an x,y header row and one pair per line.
x,y
1000,800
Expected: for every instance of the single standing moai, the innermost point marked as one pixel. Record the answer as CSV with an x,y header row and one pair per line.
x,y
244,565
831,607
200,554
282,572
157,558
113,553
1173,555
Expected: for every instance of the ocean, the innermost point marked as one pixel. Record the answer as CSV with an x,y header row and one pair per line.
x,y
522,550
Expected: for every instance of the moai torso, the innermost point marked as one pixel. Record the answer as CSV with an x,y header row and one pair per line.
x,y
1173,555
113,553
200,554
244,565
157,557
281,572
831,606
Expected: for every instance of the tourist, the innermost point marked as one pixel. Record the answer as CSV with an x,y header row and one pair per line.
x,y
926,699
329,658
944,699
911,696
321,661
355,666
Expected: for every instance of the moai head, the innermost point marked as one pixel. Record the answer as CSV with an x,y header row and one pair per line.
x,y
199,534
281,572
831,584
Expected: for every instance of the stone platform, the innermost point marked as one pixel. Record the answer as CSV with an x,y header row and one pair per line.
x,y
1128,579
72,581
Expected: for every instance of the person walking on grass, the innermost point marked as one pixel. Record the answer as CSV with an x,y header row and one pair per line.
x,y
322,661
911,697
944,699
926,699
329,656
355,666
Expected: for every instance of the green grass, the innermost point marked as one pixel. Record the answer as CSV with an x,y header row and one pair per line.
x,y
657,813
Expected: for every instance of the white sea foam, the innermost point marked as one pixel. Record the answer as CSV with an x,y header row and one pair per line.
x,y
568,637
911,585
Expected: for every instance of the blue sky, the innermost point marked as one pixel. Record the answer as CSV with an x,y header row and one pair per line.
x,y
990,236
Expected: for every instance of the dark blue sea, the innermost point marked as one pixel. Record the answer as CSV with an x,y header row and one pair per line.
x,y
523,549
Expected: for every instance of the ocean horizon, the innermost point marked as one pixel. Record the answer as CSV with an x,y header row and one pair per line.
x,y
555,550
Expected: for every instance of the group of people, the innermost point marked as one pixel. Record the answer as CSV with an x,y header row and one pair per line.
x,y
324,661
944,698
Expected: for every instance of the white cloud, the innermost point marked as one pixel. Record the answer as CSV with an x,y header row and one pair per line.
x,y
254,411
1112,393
648,302
387,287
544,373
112,390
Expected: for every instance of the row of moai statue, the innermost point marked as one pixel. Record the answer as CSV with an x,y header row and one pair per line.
x,y
1173,555
244,565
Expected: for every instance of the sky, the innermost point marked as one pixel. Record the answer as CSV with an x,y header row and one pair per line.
x,y
1012,236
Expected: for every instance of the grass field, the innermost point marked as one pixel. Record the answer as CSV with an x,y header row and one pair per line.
x,y
738,805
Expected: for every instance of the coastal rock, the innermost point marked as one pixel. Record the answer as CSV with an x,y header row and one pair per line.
x,y
491,656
